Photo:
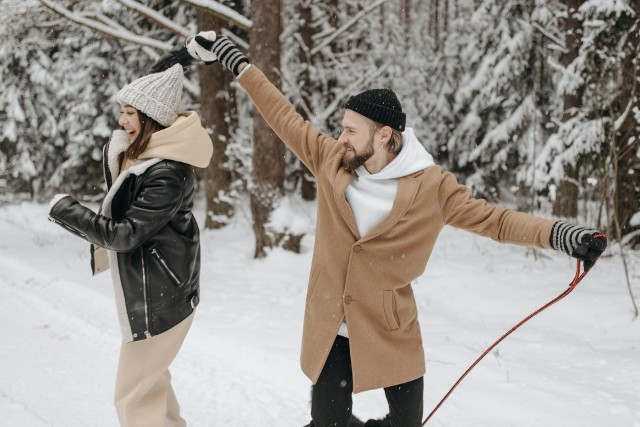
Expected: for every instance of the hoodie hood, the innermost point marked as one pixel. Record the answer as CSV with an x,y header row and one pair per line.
x,y
184,141
412,158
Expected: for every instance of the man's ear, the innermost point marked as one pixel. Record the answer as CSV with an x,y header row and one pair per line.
x,y
385,134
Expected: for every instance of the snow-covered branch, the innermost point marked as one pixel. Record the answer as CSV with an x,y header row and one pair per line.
x,y
347,25
107,30
158,18
102,24
146,49
554,38
223,12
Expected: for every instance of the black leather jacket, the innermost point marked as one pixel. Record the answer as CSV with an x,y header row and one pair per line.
x,y
155,240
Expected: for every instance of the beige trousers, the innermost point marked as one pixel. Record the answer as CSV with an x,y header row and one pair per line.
x,y
144,396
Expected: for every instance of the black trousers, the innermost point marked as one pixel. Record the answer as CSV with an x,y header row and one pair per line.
x,y
331,396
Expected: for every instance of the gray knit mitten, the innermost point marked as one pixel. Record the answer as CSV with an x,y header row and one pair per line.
x,y
585,244
227,53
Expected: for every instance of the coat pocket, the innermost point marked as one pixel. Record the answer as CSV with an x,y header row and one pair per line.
x,y
165,266
390,310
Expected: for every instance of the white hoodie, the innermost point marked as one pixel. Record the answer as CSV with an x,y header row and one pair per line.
x,y
371,195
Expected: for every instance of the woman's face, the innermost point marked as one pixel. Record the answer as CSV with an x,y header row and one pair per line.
x,y
130,121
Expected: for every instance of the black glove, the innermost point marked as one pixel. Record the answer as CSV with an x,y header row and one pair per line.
x,y
178,55
582,243
223,49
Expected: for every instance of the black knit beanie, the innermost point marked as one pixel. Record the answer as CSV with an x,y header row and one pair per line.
x,y
379,105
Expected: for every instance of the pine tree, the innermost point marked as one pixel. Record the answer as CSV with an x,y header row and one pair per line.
x,y
502,106
599,142
57,109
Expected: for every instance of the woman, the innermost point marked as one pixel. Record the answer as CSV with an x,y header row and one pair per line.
x,y
151,238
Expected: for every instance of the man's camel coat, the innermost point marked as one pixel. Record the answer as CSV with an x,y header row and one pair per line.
x,y
367,279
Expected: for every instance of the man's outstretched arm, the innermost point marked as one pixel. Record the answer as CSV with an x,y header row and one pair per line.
x,y
308,143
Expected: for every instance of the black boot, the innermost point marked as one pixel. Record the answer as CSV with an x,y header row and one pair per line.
x,y
382,422
354,422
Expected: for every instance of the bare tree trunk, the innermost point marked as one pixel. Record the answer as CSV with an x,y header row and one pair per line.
x,y
218,108
307,181
333,19
445,19
433,22
627,194
572,31
566,202
435,16
334,23
268,151
539,133
406,17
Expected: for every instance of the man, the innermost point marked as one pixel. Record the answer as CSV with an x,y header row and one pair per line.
x,y
381,204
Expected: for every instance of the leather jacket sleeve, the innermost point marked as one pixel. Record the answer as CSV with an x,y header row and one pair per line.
x,y
177,55
156,200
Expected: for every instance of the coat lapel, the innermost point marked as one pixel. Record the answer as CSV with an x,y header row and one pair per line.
x,y
407,189
340,183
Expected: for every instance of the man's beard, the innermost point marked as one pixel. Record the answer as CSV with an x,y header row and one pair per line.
x,y
352,160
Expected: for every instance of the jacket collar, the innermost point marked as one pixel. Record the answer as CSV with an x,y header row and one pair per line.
x,y
136,169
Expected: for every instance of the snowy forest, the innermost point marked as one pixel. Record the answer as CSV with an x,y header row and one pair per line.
x,y
533,105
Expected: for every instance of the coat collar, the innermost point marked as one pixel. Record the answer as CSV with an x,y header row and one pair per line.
x,y
407,189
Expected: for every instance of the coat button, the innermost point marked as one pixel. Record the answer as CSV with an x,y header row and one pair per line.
x,y
357,248
348,299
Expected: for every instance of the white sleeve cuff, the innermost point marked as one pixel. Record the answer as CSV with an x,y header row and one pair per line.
x,y
56,199
243,70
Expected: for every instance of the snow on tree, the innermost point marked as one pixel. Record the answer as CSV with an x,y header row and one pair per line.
x,y
600,140
58,107
502,104
486,85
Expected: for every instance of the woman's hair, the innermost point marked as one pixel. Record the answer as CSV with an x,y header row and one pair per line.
x,y
147,127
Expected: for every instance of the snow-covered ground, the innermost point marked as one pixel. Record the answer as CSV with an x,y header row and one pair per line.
x,y
575,365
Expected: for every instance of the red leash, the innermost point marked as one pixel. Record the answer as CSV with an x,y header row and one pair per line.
x,y
576,279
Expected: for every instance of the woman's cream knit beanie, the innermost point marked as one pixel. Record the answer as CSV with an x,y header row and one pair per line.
x,y
157,95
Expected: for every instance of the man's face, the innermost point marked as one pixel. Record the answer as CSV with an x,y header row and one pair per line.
x,y
357,138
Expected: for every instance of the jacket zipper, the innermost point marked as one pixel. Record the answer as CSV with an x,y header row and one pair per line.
x,y
145,295
168,269
72,230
